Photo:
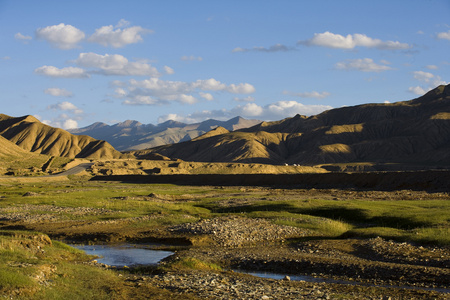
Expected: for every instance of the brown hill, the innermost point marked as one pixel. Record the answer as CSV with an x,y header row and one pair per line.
x,y
33,136
216,131
407,132
15,160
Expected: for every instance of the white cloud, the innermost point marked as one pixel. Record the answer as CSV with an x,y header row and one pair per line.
x,y
361,64
61,36
275,111
107,36
156,91
206,96
273,48
188,99
65,106
122,23
191,58
68,72
63,121
142,100
6,58
430,80
249,110
115,64
70,123
431,67
312,94
444,35
21,37
246,99
169,70
417,90
331,40
57,92
423,76
241,88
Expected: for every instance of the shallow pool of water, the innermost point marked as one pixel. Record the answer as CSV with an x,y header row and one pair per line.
x,y
329,280
124,255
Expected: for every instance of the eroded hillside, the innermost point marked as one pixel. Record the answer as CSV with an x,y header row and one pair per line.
x,y
33,136
407,132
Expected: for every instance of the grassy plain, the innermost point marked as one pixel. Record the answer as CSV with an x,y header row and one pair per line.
x,y
33,266
410,216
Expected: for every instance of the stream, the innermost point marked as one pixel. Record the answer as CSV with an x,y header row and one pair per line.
x,y
306,278
125,254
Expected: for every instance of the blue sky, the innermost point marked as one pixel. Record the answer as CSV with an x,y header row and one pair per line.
x,y
73,63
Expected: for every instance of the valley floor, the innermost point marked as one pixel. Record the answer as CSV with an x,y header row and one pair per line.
x,y
364,244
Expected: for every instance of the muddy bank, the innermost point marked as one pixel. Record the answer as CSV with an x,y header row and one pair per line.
x,y
411,180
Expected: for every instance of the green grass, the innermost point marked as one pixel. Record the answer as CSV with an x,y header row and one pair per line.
x,y
424,221
21,261
32,268
191,263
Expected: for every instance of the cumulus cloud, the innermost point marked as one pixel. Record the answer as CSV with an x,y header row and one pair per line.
x,y
444,35
191,58
418,90
65,106
154,91
275,111
429,80
62,121
361,64
115,64
312,94
70,124
206,96
68,72
331,40
61,36
57,92
168,70
118,36
273,48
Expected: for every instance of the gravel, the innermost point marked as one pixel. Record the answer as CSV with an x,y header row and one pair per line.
x,y
237,231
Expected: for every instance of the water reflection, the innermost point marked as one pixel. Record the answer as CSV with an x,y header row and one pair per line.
x,y
124,255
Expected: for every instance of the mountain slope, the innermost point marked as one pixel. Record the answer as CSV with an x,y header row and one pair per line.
x,y
132,135
33,136
13,159
411,132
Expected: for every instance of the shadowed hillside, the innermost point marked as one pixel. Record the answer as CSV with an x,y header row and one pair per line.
x,y
408,132
33,136
132,135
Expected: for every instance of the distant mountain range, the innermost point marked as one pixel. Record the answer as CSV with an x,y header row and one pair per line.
x,y
415,132
33,136
407,132
133,135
